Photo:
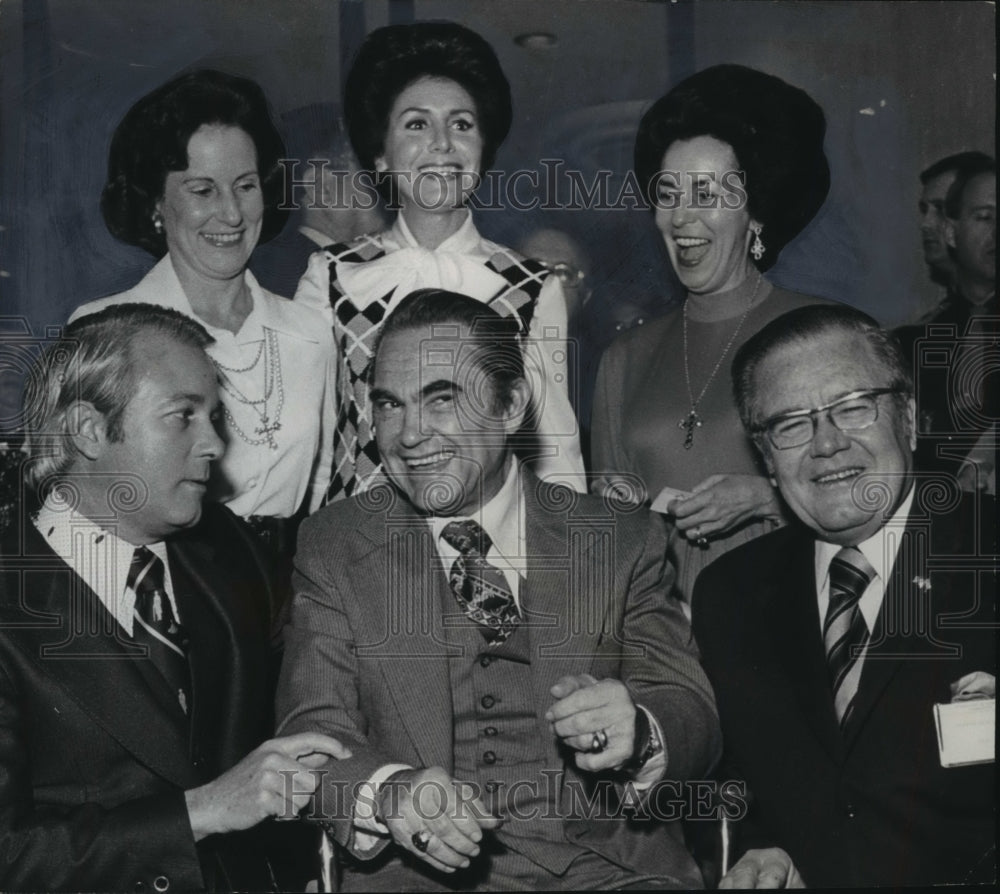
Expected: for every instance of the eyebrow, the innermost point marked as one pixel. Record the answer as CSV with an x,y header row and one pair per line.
x,y
802,410
461,110
436,387
252,172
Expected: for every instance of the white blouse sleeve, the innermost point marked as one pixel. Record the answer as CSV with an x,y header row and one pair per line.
x,y
548,356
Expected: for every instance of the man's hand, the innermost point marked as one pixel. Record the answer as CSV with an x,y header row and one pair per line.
x,y
766,868
583,710
978,684
275,779
429,803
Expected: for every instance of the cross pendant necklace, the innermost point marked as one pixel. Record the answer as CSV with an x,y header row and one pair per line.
x,y
267,429
692,420
690,423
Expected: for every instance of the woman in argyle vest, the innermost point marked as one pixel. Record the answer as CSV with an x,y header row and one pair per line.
x,y
427,106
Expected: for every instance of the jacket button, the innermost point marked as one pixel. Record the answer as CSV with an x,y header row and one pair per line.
x,y
490,731
850,811
489,757
161,883
487,701
485,660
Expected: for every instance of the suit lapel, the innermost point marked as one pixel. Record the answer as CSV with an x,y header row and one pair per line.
x,y
403,626
904,629
223,622
561,563
78,644
798,641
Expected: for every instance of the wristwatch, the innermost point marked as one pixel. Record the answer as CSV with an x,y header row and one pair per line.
x,y
647,742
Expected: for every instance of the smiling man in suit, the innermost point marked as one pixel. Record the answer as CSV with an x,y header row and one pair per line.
x,y
488,645
829,642
135,632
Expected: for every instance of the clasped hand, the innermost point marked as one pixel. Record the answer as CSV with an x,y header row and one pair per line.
x,y
429,803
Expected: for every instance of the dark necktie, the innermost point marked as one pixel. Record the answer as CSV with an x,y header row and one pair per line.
x,y
155,626
845,631
480,588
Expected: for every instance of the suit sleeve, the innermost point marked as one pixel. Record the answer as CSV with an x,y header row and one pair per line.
x,y
83,846
318,689
663,673
718,631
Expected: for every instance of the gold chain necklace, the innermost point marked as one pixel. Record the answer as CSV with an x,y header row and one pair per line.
x,y
692,420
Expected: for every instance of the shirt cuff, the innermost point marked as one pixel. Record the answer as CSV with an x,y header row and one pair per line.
x,y
368,828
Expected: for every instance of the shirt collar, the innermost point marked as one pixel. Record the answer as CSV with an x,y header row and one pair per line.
x,y
265,313
501,518
100,557
880,549
464,241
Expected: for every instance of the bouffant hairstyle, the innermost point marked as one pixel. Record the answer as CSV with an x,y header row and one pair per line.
x,y
152,140
775,130
392,58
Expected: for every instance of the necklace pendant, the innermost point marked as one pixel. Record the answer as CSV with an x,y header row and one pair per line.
x,y
689,423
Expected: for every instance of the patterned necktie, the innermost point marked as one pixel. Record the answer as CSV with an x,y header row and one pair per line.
x,y
845,631
155,626
480,588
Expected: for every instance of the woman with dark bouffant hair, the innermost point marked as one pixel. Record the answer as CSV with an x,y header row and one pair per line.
x,y
427,106
194,178
733,166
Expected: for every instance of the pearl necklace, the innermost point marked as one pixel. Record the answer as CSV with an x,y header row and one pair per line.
x,y
692,420
272,380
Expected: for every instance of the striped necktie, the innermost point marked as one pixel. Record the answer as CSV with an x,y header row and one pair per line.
x,y
845,632
155,626
480,588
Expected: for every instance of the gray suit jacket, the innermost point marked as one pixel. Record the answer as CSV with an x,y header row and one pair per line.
x,y
365,659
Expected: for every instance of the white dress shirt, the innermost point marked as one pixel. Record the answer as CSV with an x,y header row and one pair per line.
x,y
99,557
880,550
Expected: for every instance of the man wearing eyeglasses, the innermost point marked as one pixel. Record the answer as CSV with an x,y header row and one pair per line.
x,y
830,643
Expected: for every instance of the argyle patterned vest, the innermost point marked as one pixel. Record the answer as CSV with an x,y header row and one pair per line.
x,y
355,329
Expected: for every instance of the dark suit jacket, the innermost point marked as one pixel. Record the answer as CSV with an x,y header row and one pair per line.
x,y
365,659
872,806
94,757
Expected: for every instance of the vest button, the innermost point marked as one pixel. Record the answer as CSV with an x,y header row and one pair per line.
x,y
487,701
490,731
161,883
485,660
489,757
493,785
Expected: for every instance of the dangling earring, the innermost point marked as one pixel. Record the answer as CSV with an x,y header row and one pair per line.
x,y
758,248
158,223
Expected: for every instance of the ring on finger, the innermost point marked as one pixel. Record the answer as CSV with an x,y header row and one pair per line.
x,y
599,741
420,840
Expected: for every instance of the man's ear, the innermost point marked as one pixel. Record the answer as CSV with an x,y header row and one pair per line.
x,y
516,411
87,427
911,423
949,232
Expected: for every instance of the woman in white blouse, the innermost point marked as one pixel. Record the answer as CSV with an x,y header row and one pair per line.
x,y
193,177
427,106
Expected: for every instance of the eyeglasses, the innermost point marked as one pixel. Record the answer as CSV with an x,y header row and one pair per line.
x,y
855,412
